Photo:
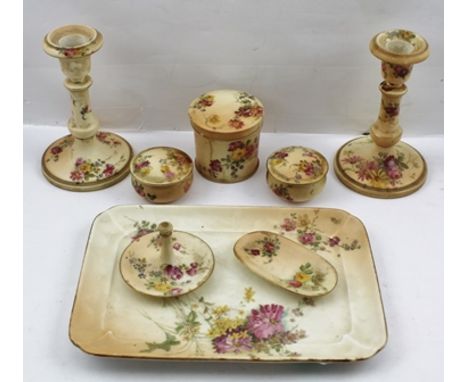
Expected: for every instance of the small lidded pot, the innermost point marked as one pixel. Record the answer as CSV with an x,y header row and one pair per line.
x,y
227,126
161,174
296,173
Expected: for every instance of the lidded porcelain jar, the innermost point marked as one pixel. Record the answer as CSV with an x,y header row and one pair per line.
x,y
161,174
227,126
296,173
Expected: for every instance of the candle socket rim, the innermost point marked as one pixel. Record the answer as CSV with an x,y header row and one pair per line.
x,y
420,53
87,48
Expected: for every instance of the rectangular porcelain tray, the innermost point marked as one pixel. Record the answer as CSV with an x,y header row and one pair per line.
x,y
212,323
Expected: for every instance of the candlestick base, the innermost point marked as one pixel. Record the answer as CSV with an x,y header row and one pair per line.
x,y
87,164
380,172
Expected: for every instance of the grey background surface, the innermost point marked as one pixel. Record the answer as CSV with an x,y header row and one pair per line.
x,y
308,61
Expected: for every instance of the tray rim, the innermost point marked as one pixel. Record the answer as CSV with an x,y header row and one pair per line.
x,y
222,359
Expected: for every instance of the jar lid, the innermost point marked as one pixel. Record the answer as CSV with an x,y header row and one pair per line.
x,y
226,112
161,165
297,165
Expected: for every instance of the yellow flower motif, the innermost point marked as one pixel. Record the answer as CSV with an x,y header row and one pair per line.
x,y
303,220
238,154
240,335
162,287
302,277
249,294
85,167
379,179
221,325
144,171
221,310
165,168
214,120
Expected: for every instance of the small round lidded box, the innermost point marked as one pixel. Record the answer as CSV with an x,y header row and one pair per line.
x,y
296,173
161,174
227,126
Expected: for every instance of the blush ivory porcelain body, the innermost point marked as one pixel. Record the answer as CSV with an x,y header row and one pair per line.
x,y
382,166
161,174
234,315
166,263
227,126
296,173
87,159
286,263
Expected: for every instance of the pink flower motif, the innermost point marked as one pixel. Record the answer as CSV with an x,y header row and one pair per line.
x,y
254,252
193,270
234,340
236,123
288,225
400,71
174,272
307,238
365,170
76,176
266,321
176,246
235,145
79,162
391,111
251,150
169,175
102,135
141,165
215,166
257,111
176,291
187,185
269,247
391,167
70,52
139,189
141,232
308,169
352,159
280,155
335,240
109,170
295,283
56,150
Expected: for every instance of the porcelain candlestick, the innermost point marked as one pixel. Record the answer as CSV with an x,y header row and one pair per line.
x,y
87,159
381,165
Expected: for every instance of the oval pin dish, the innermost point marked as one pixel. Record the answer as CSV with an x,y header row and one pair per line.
x,y
286,263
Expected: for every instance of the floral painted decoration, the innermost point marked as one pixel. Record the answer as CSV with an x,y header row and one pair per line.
x,y
305,231
296,164
238,153
108,139
282,191
58,148
88,170
267,247
140,189
169,279
263,328
394,70
230,112
381,170
308,278
204,101
142,165
249,108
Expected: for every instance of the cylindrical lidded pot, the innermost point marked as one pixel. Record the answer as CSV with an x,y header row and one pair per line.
x,y
227,126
